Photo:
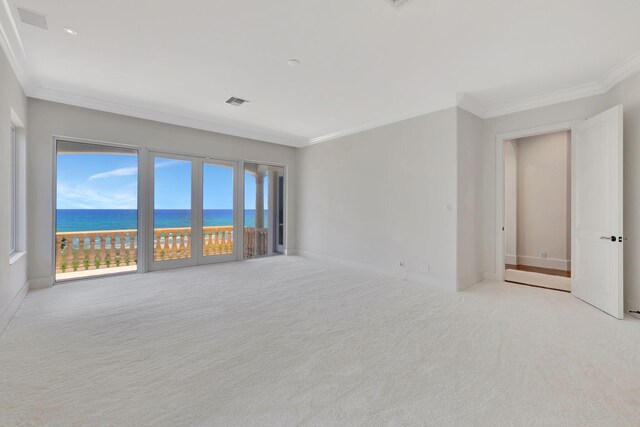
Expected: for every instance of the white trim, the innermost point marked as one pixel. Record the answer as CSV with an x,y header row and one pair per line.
x,y
13,48
611,78
389,272
511,259
556,264
16,302
387,120
165,117
41,282
15,257
17,56
468,281
499,170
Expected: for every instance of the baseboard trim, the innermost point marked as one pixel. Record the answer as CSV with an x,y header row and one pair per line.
x,y
556,264
41,282
511,259
467,282
13,307
491,277
395,274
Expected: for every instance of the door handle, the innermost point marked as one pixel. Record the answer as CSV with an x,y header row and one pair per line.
x,y
612,238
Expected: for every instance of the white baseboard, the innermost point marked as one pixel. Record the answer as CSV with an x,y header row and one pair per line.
x,y
511,259
466,282
5,318
41,282
556,264
389,272
490,276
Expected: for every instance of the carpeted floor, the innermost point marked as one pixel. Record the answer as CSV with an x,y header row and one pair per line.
x,y
290,341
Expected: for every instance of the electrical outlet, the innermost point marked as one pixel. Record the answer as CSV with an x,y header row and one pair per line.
x,y
425,268
543,255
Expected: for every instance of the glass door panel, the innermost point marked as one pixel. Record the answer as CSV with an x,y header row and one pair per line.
x,y
96,222
263,226
172,208
218,211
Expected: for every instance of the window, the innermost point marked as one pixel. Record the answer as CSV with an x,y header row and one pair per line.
x,y
13,182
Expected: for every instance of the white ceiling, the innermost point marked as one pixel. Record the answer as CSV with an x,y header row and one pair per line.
x,y
364,63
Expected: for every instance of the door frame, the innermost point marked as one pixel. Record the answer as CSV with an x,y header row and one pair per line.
x,y
197,186
501,138
141,202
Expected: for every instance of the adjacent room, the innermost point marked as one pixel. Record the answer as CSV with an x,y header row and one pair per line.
x,y
373,212
537,207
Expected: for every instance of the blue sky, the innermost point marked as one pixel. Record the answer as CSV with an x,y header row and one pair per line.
x,y
109,181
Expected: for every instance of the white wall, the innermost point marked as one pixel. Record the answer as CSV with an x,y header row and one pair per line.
x,y
626,93
543,200
13,277
382,196
469,175
511,202
52,119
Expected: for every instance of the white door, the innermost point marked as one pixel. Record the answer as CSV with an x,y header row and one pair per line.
x,y
597,244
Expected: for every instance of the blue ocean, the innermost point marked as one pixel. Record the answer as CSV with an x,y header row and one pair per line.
x,y
127,219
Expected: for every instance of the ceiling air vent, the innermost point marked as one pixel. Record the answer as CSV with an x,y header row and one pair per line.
x,y
30,17
397,3
236,102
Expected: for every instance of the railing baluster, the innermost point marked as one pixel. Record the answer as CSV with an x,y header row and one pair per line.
x,y
92,251
133,259
59,238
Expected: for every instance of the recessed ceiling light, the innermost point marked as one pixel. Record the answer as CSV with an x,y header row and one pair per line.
x,y
70,31
293,62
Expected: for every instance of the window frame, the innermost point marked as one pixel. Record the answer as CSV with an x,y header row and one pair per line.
x,y
14,170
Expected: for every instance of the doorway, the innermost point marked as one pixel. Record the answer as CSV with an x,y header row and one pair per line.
x,y
96,210
537,196
597,238
264,201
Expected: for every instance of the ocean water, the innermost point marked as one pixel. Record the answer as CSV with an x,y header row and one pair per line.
x,y
126,219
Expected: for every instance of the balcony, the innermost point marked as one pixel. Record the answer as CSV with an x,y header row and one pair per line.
x,y
92,253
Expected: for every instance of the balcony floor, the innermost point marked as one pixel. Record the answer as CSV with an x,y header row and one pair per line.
x,y
94,273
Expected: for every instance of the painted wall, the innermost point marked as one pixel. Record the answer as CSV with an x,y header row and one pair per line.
x,y
543,201
511,202
383,196
469,176
626,93
53,119
13,276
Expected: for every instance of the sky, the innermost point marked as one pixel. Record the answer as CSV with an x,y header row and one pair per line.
x,y
109,181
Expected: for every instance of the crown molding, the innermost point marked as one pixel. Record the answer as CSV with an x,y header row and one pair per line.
x,y
164,117
612,77
395,118
18,59
13,48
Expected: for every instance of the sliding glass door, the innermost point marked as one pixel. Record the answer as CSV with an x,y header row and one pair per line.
x,y
194,211
219,220
96,210
173,205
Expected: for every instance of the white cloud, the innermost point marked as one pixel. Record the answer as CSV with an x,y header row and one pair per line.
x,y
129,171
82,197
133,170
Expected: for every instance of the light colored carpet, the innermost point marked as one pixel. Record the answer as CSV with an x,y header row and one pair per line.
x,y
290,341
538,279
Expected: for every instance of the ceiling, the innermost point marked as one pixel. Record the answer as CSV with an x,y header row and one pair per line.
x,y
363,64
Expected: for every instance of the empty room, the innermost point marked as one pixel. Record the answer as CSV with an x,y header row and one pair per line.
x,y
372,212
